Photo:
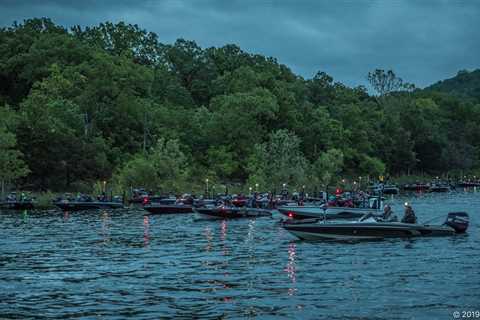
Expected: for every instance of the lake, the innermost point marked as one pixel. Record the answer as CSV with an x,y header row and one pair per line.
x,y
122,264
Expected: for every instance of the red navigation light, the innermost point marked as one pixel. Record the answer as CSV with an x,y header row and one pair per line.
x,y
290,214
338,191
146,200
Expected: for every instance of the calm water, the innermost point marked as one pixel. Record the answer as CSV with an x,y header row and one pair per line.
x,y
120,264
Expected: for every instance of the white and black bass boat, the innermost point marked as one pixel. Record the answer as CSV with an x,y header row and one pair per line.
x,y
456,223
374,206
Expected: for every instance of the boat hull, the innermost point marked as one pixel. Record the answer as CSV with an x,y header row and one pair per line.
x,y
439,189
391,191
359,231
330,213
16,205
168,209
468,184
94,205
416,187
232,213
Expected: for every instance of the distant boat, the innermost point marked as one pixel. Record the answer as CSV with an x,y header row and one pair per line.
x,y
67,205
239,202
17,205
14,202
173,205
418,187
385,189
468,184
141,196
439,188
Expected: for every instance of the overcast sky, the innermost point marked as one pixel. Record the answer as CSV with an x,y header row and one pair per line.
x,y
422,41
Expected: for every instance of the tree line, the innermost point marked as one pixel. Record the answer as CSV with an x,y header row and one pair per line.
x,y
112,102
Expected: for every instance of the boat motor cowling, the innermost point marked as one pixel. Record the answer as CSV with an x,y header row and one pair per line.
x,y
458,221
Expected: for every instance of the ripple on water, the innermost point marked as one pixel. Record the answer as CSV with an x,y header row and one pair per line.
x,y
119,264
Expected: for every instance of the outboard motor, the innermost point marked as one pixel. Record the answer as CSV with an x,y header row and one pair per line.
x,y
458,221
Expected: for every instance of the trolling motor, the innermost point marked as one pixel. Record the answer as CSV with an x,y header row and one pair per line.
x,y
458,221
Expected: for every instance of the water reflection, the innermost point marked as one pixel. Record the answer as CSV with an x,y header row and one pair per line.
x,y
146,231
240,268
251,231
106,227
209,235
409,243
223,237
223,230
291,268
225,266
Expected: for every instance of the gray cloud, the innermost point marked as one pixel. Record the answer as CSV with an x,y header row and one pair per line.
x,y
423,41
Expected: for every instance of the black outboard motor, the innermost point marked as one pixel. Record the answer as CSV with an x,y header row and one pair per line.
x,y
458,221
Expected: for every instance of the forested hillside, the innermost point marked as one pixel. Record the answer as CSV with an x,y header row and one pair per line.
x,y
465,84
112,102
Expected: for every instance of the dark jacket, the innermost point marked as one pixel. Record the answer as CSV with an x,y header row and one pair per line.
x,y
409,216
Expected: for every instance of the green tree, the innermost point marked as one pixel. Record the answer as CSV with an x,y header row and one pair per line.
x,y
242,120
12,165
193,67
320,132
51,136
164,168
385,83
123,39
278,161
423,118
327,167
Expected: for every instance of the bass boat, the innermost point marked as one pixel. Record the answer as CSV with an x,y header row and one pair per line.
x,y
456,223
373,207
17,204
67,205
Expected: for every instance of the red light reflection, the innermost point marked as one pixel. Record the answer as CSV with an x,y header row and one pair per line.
x,y
223,237
146,231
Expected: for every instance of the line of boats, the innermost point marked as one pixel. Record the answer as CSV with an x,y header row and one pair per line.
x,y
22,202
436,186
347,217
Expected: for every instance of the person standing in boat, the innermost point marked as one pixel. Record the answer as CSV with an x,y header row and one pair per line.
x,y
409,215
270,200
255,200
301,197
228,200
252,201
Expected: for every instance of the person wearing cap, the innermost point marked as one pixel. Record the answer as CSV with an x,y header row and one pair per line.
x,y
409,215
388,215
